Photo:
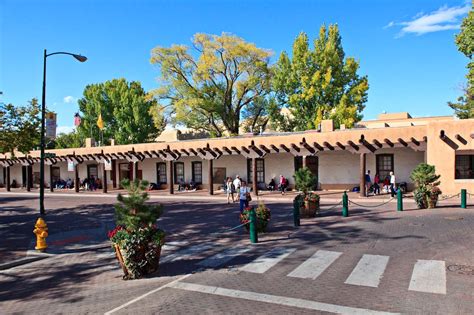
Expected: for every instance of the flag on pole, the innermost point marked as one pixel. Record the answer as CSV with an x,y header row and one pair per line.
x,y
100,122
77,120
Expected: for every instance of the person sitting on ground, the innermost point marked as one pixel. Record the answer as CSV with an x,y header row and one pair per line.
x,y
271,185
192,185
283,184
98,183
69,183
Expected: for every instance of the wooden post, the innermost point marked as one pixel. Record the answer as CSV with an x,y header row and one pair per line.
x,y
76,178
28,178
104,179
114,174
362,175
135,170
171,177
8,179
254,176
210,178
51,186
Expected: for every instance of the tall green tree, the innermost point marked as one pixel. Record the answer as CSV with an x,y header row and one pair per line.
x,y
316,84
19,127
129,114
464,107
216,85
68,140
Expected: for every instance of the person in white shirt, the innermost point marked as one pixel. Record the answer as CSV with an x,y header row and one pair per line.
x,y
237,183
243,193
392,184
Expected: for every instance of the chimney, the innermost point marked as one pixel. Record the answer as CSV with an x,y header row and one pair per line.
x,y
327,125
90,143
112,142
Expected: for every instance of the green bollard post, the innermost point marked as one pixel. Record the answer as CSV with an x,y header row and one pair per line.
x,y
345,205
296,213
463,198
399,200
253,226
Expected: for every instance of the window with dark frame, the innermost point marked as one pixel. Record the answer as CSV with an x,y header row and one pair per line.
x,y
178,172
384,165
464,166
260,171
161,177
197,172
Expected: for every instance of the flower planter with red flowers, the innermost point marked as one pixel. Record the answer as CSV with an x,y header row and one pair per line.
x,y
137,241
263,218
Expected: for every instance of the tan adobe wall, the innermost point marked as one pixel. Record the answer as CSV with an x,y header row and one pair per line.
x,y
440,154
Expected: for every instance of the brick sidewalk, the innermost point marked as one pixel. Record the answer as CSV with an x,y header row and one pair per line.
x,y
90,281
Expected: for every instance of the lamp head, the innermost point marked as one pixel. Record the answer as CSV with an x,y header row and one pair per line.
x,y
80,58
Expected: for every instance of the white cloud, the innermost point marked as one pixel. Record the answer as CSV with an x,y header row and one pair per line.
x,y
445,18
69,99
64,129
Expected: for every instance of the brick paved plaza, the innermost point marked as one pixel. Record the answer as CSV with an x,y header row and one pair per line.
x,y
377,260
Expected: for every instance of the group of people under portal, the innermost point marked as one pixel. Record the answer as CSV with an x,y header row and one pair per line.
x,y
239,187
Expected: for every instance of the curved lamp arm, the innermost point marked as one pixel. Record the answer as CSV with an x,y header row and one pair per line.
x,y
78,57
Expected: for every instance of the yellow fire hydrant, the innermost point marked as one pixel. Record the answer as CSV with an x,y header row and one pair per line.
x,y
41,231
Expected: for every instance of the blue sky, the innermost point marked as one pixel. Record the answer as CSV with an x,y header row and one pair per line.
x,y
405,47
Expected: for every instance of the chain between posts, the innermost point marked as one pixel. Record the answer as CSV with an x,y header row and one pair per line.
x,y
449,197
371,206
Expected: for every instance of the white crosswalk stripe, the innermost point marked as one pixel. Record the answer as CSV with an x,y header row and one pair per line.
x,y
429,276
315,265
223,257
268,260
187,253
369,271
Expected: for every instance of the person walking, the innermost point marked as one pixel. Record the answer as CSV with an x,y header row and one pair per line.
x,y
377,184
230,190
392,184
368,183
244,196
283,184
237,182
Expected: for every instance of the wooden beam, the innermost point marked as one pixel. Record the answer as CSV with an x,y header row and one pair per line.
x,y
390,143
377,143
178,154
226,149
284,147
416,142
362,189
210,177
328,145
295,147
353,145
366,144
264,148
318,146
274,148
461,139
208,149
403,142
425,139
219,152
307,146
245,150
185,152
340,145
193,151
148,154
236,150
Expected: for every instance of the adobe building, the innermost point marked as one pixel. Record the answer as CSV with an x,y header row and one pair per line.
x,y
339,158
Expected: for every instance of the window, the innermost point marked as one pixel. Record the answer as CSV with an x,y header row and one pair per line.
x,y
179,172
384,165
298,162
197,172
464,167
161,177
260,171
92,171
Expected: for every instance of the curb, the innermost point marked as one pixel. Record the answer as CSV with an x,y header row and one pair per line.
x,y
23,261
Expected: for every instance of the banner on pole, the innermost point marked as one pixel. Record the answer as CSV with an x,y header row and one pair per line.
x,y
71,166
108,165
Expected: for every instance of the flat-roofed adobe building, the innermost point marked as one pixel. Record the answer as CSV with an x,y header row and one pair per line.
x,y
394,142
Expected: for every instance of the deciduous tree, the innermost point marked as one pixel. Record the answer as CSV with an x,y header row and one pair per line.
x,y
215,86
464,108
318,84
128,113
19,127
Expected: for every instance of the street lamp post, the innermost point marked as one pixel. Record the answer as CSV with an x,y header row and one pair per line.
x,y
43,111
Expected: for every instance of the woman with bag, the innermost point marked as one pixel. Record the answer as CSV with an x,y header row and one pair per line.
x,y
244,196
